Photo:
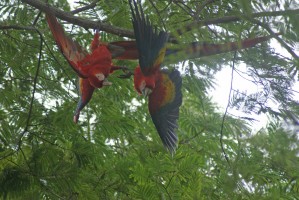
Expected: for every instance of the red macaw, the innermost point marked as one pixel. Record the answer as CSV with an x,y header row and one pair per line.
x,y
93,69
163,87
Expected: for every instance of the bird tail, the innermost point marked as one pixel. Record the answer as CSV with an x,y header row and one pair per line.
x,y
130,51
201,49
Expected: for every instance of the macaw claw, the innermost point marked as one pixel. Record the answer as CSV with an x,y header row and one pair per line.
x,y
126,75
124,68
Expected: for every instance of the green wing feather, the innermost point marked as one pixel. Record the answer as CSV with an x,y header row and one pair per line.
x,y
164,104
151,43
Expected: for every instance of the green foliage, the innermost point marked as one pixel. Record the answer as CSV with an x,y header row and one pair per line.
x,y
114,152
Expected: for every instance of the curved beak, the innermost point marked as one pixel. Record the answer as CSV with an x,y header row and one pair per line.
x,y
106,82
146,91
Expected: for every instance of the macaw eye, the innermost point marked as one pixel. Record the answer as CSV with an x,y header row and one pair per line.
x,y
100,76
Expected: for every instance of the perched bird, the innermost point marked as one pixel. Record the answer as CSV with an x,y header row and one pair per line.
x,y
92,68
163,87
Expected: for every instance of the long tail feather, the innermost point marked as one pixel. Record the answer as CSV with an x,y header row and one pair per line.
x,y
197,50
128,50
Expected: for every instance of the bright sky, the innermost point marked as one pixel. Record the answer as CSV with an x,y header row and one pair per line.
x,y
221,92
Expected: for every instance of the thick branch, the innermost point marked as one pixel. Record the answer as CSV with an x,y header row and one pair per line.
x,y
227,19
85,23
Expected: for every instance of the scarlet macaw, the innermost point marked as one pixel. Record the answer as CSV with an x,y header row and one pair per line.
x,y
163,87
93,69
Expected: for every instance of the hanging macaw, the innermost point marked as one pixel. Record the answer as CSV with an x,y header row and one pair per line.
x,y
92,68
163,87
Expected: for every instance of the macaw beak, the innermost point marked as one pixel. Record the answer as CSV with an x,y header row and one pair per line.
x,y
146,91
106,82
101,77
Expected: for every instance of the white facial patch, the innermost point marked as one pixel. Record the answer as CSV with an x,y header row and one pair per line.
x,y
142,86
100,76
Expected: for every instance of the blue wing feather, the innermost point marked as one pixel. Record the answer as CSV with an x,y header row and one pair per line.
x,y
86,91
149,40
165,119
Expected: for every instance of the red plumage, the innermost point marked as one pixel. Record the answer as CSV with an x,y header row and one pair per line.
x,y
93,68
162,87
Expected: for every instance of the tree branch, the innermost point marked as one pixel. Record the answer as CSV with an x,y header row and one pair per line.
x,y
87,7
85,23
227,19
33,91
226,109
266,26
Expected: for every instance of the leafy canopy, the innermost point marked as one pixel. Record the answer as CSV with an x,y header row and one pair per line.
x,y
115,152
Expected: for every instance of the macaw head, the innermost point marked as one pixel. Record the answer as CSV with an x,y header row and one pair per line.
x,y
98,77
144,84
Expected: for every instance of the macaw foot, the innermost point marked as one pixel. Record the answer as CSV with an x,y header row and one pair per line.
x,y
123,68
126,75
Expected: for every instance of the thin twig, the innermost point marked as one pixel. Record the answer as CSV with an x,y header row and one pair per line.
x,y
87,7
266,26
33,91
158,13
226,109
186,9
166,187
37,17
202,6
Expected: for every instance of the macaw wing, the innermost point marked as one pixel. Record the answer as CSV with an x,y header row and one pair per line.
x,y
71,50
151,43
164,103
86,91
124,50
